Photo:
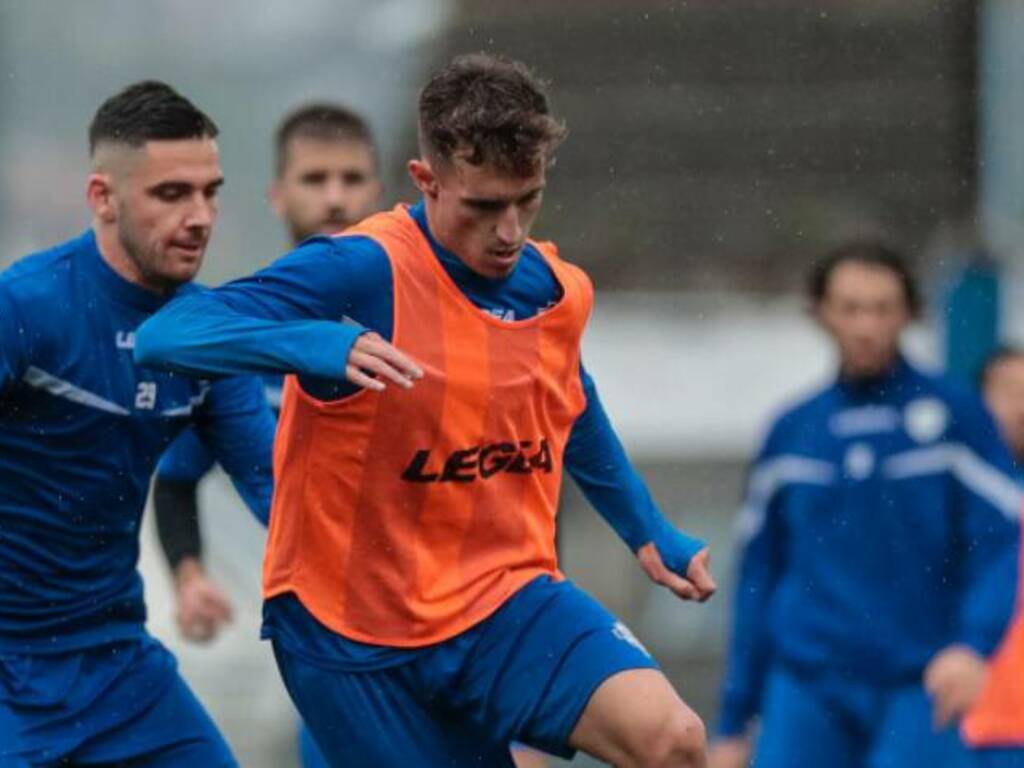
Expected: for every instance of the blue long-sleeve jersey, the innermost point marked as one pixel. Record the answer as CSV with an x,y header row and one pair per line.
x,y
880,525
81,429
304,312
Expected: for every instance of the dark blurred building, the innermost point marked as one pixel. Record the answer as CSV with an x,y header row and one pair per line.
x,y
722,144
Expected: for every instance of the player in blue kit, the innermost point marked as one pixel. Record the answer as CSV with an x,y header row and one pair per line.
x,y
878,550
539,661
82,426
327,178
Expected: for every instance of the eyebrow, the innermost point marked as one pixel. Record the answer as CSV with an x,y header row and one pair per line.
x,y
216,183
502,201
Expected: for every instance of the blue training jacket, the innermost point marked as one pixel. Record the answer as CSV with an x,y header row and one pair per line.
x,y
81,429
880,525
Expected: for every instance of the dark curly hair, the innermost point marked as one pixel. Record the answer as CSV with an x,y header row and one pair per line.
x,y
486,109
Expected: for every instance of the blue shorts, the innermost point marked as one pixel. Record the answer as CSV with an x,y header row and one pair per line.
x,y
310,755
999,758
120,703
524,674
840,722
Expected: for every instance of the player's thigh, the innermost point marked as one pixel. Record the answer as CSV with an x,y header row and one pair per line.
x,y
906,738
174,732
536,663
635,717
997,758
800,727
310,755
375,719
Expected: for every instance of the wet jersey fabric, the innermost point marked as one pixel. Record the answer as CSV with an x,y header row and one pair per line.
x,y
274,321
880,525
525,673
118,702
81,428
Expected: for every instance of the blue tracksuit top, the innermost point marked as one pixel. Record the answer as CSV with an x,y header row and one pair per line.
x,y
81,429
880,525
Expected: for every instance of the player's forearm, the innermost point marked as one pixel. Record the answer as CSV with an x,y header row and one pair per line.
x,y
238,426
177,521
987,603
598,463
199,336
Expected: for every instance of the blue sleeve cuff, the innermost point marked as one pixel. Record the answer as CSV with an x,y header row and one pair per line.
x,y
675,547
982,643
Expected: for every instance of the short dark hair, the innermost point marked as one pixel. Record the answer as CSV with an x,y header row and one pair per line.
x,y
148,111
873,253
1001,354
322,121
488,109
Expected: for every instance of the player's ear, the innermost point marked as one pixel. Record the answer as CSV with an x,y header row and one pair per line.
x,y
275,198
423,177
99,194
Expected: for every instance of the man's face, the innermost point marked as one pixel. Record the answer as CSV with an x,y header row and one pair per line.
x,y
325,186
164,201
481,214
1004,393
865,310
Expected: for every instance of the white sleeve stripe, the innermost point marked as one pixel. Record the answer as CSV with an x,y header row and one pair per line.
x,y
767,478
40,379
977,475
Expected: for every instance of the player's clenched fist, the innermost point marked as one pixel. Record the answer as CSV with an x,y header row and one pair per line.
x,y
372,360
697,584
202,608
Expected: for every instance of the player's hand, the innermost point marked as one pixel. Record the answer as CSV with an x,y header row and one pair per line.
x,y
730,753
202,607
373,362
954,679
698,584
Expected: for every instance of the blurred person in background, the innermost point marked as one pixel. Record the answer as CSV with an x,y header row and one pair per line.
x,y
878,542
994,726
81,429
327,178
1002,386
412,590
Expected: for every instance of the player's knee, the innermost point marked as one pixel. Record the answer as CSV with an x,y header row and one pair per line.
x,y
679,742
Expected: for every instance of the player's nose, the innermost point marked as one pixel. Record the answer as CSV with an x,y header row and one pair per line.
x,y
510,228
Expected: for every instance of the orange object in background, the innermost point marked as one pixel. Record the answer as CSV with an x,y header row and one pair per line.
x,y
997,717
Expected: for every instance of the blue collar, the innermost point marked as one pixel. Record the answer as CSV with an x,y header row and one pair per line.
x,y
893,379
113,284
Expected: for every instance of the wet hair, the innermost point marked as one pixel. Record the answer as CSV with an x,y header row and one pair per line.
x,y
321,121
148,111
487,109
1001,354
872,253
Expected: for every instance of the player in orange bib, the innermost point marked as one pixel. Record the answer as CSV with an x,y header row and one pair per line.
x,y
413,595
